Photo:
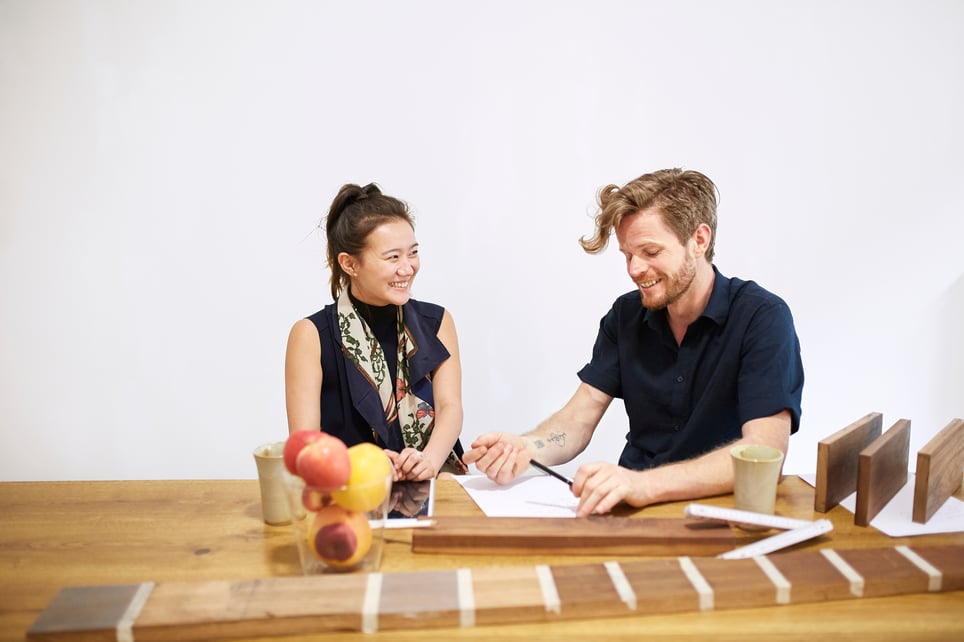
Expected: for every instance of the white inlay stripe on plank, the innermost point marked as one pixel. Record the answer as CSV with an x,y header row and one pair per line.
x,y
370,603
621,584
934,577
856,579
125,626
550,596
699,583
779,580
463,579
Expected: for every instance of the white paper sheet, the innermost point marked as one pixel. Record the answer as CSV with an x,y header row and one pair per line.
x,y
544,496
896,518
527,496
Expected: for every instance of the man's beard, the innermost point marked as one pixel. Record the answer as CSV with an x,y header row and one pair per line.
x,y
674,286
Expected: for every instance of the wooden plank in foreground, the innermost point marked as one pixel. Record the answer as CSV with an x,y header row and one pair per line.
x,y
837,460
939,465
372,602
602,535
882,471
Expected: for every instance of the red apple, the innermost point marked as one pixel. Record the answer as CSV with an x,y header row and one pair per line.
x,y
296,441
324,463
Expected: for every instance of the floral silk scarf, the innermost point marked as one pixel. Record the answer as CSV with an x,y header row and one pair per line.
x,y
416,417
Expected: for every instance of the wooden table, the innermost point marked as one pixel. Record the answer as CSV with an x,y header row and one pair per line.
x,y
57,534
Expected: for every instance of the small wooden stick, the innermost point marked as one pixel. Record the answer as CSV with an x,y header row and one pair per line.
x,y
939,465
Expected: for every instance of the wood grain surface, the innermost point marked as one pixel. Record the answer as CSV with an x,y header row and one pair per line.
x,y
601,535
374,602
939,470
837,460
105,533
882,471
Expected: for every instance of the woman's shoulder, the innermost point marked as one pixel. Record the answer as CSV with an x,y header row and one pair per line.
x,y
428,315
426,309
322,319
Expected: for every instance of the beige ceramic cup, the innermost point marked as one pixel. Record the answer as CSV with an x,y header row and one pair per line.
x,y
756,472
274,498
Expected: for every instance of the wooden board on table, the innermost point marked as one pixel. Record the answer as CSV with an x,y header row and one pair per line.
x,y
603,535
882,471
938,475
373,602
837,460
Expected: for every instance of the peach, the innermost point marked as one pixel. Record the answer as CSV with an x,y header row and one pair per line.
x,y
339,537
324,463
370,480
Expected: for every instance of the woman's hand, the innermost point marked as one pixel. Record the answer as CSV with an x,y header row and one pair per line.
x,y
411,464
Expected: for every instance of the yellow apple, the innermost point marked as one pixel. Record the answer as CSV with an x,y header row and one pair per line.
x,y
370,480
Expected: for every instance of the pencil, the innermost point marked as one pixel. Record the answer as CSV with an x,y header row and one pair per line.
x,y
549,471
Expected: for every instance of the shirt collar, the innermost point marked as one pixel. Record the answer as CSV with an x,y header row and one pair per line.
x,y
717,308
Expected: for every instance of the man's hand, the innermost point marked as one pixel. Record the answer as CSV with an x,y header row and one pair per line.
x,y
600,486
501,456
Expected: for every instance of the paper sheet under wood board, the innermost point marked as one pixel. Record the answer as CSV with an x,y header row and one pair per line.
x,y
895,519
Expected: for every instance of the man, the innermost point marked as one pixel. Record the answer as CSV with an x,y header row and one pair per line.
x,y
705,363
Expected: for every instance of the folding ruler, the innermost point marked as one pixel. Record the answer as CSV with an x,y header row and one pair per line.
x,y
794,530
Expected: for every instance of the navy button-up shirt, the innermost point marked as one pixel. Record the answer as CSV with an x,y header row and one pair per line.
x,y
740,360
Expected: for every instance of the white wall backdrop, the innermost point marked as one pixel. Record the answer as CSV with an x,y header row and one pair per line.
x,y
163,167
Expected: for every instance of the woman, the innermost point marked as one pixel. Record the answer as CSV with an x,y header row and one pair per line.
x,y
377,365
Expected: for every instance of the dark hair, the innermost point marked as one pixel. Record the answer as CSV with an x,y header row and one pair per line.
x,y
685,200
354,213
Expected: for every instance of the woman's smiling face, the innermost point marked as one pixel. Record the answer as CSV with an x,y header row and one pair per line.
x,y
383,273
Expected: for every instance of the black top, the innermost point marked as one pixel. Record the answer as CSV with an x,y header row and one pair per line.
x,y
383,323
350,406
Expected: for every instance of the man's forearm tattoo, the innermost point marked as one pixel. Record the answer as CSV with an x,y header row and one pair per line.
x,y
558,438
